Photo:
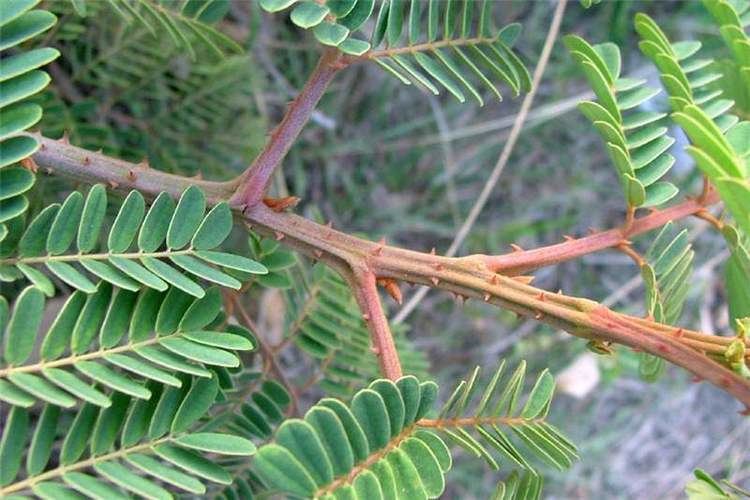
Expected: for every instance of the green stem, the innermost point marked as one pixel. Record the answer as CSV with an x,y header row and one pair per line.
x,y
83,464
42,365
91,256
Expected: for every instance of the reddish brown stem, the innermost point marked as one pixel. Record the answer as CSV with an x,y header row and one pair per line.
x,y
254,182
522,262
364,286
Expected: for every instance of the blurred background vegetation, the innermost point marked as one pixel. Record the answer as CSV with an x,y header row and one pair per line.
x,y
389,161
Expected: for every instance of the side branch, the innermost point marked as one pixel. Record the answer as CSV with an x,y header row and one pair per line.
x,y
523,261
254,181
364,287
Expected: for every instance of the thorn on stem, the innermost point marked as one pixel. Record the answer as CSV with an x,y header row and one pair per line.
x,y
279,236
29,164
435,281
392,288
281,204
365,316
494,280
516,248
567,237
487,297
432,251
131,176
318,253
526,280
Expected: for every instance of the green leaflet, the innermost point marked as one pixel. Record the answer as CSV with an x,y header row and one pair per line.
x,y
187,218
91,486
42,440
169,475
193,463
156,224
225,444
198,400
41,389
91,318
127,222
62,232
110,378
309,14
94,210
76,387
12,444
214,228
123,477
23,326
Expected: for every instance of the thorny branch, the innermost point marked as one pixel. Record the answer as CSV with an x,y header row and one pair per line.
x,y
255,180
471,276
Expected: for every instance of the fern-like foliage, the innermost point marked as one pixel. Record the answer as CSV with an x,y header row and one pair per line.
x,y
253,407
448,43
382,446
370,448
20,78
721,145
733,19
666,274
498,407
689,80
137,244
723,159
112,339
143,447
186,23
720,142
636,141
326,323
